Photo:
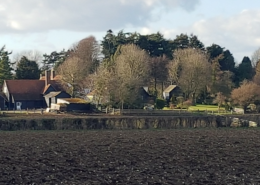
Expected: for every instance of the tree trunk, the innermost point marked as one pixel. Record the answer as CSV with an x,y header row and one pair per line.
x,y
155,87
193,99
122,106
162,90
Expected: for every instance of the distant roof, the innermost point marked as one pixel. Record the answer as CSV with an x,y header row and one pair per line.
x,y
170,88
56,77
74,100
52,94
92,93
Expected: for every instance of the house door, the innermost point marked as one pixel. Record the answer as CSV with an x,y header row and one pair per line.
x,y
18,105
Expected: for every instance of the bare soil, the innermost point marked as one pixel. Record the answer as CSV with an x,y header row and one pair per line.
x,y
184,156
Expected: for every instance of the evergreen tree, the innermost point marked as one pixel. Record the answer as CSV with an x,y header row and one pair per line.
x,y
228,62
194,42
245,70
54,59
214,51
154,44
109,45
181,41
27,69
188,41
5,65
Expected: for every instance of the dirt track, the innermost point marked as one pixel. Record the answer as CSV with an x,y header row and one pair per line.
x,y
190,156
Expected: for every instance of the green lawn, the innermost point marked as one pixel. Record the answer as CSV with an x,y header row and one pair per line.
x,y
201,108
205,107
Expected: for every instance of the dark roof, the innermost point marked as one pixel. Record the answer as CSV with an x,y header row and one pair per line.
x,y
47,87
56,84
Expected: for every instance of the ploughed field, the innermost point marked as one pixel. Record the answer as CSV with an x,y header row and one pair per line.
x,y
185,156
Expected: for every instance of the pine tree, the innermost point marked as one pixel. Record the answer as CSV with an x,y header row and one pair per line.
x,y
5,65
27,69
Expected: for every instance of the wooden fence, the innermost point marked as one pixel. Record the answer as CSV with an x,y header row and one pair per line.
x,y
164,112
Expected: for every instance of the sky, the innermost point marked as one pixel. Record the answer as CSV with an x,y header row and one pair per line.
x,y
47,25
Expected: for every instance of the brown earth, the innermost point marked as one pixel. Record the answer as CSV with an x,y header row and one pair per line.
x,y
184,156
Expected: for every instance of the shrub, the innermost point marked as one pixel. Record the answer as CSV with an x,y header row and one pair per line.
x,y
180,100
173,100
160,103
187,104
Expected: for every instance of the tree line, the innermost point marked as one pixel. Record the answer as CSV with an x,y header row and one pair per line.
x,y
117,68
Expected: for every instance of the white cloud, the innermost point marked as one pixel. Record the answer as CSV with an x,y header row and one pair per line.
x,y
145,31
81,15
238,33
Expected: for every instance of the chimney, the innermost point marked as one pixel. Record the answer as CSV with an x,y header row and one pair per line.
x,y
47,77
52,74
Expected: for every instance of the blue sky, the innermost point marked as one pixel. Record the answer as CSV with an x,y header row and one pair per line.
x,y
47,25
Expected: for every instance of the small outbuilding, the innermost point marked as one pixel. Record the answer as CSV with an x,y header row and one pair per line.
x,y
52,97
75,104
172,90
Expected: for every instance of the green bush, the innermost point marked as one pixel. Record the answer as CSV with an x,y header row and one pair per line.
x,y
160,103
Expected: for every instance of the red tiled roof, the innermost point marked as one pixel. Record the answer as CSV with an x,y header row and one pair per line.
x,y
30,89
26,89
25,86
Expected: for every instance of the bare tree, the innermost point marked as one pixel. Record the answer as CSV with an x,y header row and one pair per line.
x,y
247,93
195,71
82,60
159,72
174,70
103,84
255,57
220,99
88,50
132,70
256,77
32,55
72,73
